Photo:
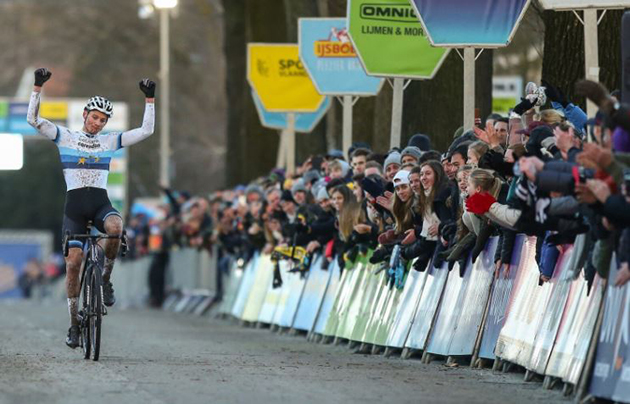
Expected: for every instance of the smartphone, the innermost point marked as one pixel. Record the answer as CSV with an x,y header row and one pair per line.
x,y
478,118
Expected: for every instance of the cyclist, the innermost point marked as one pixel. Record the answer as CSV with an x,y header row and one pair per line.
x,y
85,156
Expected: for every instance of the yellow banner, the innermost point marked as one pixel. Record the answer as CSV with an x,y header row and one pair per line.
x,y
55,110
277,75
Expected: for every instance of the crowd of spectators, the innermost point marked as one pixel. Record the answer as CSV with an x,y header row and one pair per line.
x,y
546,170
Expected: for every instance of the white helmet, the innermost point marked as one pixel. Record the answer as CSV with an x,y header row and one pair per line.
x,y
100,104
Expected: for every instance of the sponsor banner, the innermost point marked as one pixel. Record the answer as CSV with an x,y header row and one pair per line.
x,y
278,76
582,4
586,325
500,301
258,291
569,331
17,119
408,305
554,312
525,310
54,110
611,374
462,307
427,307
474,302
387,320
478,23
249,274
296,283
371,296
390,40
376,316
349,316
4,116
313,295
331,60
304,122
21,253
329,298
285,291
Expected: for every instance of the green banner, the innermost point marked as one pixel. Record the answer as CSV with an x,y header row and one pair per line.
x,y
4,109
390,40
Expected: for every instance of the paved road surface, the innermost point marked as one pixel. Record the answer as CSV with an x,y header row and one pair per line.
x,y
157,357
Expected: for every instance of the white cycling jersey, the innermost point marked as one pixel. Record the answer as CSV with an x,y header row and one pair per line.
x,y
85,158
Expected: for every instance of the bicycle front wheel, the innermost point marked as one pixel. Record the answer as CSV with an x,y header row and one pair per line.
x,y
86,310
96,315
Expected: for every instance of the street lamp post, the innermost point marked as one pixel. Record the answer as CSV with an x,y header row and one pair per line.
x,y
165,7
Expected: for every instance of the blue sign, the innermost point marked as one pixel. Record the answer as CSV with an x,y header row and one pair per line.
x,y
16,122
331,60
304,122
478,23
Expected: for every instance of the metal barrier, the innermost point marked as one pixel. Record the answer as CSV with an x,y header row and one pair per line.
x,y
548,329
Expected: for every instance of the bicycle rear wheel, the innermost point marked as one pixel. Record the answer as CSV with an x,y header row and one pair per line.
x,y
97,312
86,309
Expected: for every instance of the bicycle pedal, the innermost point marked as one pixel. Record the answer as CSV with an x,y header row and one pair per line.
x,y
104,310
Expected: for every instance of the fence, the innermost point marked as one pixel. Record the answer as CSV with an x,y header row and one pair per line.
x,y
561,330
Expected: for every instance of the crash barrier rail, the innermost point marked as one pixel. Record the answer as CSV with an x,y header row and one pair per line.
x,y
563,330
190,273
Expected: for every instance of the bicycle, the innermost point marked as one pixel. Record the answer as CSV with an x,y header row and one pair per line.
x,y
91,281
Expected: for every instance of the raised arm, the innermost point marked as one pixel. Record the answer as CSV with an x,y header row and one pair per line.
x,y
148,121
43,126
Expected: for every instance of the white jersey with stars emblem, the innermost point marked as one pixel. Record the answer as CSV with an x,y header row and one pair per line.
x,y
85,158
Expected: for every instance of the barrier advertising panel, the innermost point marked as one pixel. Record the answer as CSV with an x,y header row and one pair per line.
x,y
277,75
427,307
329,298
611,374
390,40
500,301
313,295
331,60
249,274
408,304
478,23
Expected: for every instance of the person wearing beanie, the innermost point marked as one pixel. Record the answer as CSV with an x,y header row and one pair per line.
x,y
410,155
288,205
420,141
298,191
338,169
392,165
310,177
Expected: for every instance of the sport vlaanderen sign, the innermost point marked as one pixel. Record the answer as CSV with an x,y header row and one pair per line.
x,y
390,40
331,60
277,75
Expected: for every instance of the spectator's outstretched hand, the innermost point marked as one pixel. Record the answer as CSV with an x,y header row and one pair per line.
x,y
597,93
624,275
599,188
594,155
555,94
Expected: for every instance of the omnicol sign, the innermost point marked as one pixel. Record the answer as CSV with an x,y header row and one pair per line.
x,y
277,75
390,40
331,60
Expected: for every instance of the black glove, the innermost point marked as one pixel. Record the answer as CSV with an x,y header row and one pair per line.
x,y
147,87
555,94
524,106
302,228
42,75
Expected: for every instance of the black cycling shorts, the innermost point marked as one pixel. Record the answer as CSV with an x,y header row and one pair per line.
x,y
83,205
